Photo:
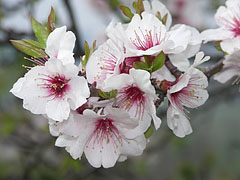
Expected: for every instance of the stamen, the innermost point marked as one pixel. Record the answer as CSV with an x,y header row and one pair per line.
x,y
147,40
105,131
56,85
131,96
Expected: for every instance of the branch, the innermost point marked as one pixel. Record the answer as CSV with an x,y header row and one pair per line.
x,y
174,71
210,71
79,49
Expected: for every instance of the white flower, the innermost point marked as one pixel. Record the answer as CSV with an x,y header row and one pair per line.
x,y
104,63
178,123
156,7
188,90
181,60
231,68
104,139
229,32
136,95
52,89
60,44
148,36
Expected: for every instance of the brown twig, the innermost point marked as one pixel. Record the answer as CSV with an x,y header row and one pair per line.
x,y
174,71
210,71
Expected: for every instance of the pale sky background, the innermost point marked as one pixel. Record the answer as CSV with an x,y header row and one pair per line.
x,y
86,14
91,21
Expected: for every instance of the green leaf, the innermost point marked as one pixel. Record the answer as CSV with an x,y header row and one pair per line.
x,y
158,62
148,60
33,43
140,7
108,95
29,47
94,46
135,6
40,32
149,132
158,15
126,11
102,94
88,52
87,49
141,65
51,21
113,93
164,19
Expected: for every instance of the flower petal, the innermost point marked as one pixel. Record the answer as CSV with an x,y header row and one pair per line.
x,y
178,123
79,91
58,109
142,80
215,35
17,87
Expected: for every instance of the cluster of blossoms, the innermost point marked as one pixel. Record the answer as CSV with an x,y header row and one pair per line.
x,y
104,107
228,36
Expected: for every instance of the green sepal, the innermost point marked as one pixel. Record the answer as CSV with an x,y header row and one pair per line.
x,y
126,11
51,21
40,32
29,47
158,62
149,132
108,95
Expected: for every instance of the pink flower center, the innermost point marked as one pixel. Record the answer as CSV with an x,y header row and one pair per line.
x,y
144,41
105,132
131,96
234,23
188,95
236,27
57,85
128,64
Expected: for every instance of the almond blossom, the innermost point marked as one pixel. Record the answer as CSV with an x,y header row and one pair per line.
x,y
179,60
104,139
148,36
136,95
103,63
60,44
52,89
188,90
231,68
228,18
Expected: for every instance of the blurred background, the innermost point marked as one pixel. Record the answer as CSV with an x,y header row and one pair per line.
x,y
27,150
